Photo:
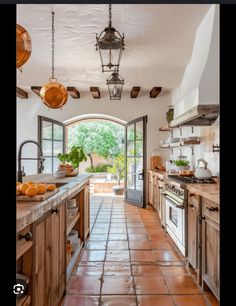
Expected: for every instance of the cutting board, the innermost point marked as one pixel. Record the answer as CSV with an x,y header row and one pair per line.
x,y
156,163
36,198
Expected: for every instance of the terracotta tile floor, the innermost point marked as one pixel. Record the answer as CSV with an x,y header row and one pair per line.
x,y
129,260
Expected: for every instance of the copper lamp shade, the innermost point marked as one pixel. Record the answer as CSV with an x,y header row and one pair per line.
x,y
23,46
53,94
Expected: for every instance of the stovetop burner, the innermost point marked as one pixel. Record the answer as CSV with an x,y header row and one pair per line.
x,y
191,179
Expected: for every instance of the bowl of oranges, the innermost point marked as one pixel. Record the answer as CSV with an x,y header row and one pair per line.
x,y
32,189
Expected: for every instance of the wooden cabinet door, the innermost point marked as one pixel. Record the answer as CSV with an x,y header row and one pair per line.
x,y
86,212
41,262
156,194
58,253
150,188
210,255
192,236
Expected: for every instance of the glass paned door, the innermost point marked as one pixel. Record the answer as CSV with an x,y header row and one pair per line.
x,y
135,162
52,140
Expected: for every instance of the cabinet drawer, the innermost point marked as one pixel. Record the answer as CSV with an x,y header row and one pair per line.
x,y
193,199
211,210
23,241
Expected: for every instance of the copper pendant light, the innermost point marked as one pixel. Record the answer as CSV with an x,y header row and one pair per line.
x,y
23,46
53,94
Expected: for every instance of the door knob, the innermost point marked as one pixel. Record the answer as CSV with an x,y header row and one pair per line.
x,y
55,210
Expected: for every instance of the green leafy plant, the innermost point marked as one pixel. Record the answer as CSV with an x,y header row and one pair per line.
x,y
181,162
98,168
75,156
118,167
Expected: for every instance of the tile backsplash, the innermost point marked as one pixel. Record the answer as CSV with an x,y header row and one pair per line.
x,y
209,136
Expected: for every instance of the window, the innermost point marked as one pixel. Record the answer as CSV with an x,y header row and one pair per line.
x,y
51,134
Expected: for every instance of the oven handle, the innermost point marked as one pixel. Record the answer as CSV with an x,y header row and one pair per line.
x,y
172,202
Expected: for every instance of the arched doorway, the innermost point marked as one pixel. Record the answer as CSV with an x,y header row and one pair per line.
x,y
102,138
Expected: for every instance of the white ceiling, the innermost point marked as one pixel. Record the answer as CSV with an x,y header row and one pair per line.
x,y
158,43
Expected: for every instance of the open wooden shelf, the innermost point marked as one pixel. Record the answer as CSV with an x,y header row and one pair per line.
x,y
165,128
180,144
72,223
73,261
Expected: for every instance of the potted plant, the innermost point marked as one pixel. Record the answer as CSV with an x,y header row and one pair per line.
x,y
118,169
74,157
181,164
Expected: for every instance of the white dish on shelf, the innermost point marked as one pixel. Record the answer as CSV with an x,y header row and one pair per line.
x,y
59,174
72,210
192,138
173,139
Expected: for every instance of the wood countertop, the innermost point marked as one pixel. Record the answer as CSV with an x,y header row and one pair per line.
x,y
208,191
28,212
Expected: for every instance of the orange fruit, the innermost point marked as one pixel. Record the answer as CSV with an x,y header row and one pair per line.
x,y
17,191
23,187
51,187
31,191
30,183
18,183
41,188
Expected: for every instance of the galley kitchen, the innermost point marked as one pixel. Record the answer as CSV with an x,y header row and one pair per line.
x,y
117,184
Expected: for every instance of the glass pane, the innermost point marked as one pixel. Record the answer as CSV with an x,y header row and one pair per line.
x,y
57,132
47,165
139,130
139,165
47,130
130,132
56,163
47,147
174,216
130,148
130,180
57,147
139,183
130,164
139,148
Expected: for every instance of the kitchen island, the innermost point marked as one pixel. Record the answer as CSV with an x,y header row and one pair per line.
x,y
43,234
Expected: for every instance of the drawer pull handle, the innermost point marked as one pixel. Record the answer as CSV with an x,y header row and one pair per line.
x,y
160,187
28,236
55,210
191,205
191,195
212,208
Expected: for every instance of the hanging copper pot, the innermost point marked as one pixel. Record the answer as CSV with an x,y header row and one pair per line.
x,y
23,46
53,94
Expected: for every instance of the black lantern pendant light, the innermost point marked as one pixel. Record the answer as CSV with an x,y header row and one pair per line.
x,y
115,84
110,45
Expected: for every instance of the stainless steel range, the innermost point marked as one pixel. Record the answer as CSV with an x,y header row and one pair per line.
x,y
176,197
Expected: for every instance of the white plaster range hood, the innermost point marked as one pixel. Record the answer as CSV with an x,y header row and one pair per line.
x,y
198,115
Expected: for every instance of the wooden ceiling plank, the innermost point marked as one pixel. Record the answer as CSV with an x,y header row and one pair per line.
x,y
73,92
21,93
36,90
134,92
155,92
95,92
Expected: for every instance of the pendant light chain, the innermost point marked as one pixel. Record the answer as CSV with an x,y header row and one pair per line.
x,y
53,47
110,16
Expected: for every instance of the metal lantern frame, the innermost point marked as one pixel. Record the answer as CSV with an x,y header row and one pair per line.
x,y
115,85
110,44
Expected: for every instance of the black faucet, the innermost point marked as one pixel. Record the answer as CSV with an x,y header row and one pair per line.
x,y
41,159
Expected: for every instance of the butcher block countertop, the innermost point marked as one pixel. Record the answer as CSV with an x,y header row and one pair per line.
x,y
28,212
209,191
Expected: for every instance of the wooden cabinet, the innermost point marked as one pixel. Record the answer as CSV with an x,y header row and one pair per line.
x,y
210,247
156,194
150,188
49,268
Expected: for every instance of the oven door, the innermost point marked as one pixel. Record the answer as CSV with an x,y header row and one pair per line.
x,y
175,219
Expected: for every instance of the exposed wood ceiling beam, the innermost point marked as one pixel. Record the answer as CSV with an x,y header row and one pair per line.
x,y
95,92
73,92
36,90
21,93
155,92
134,92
